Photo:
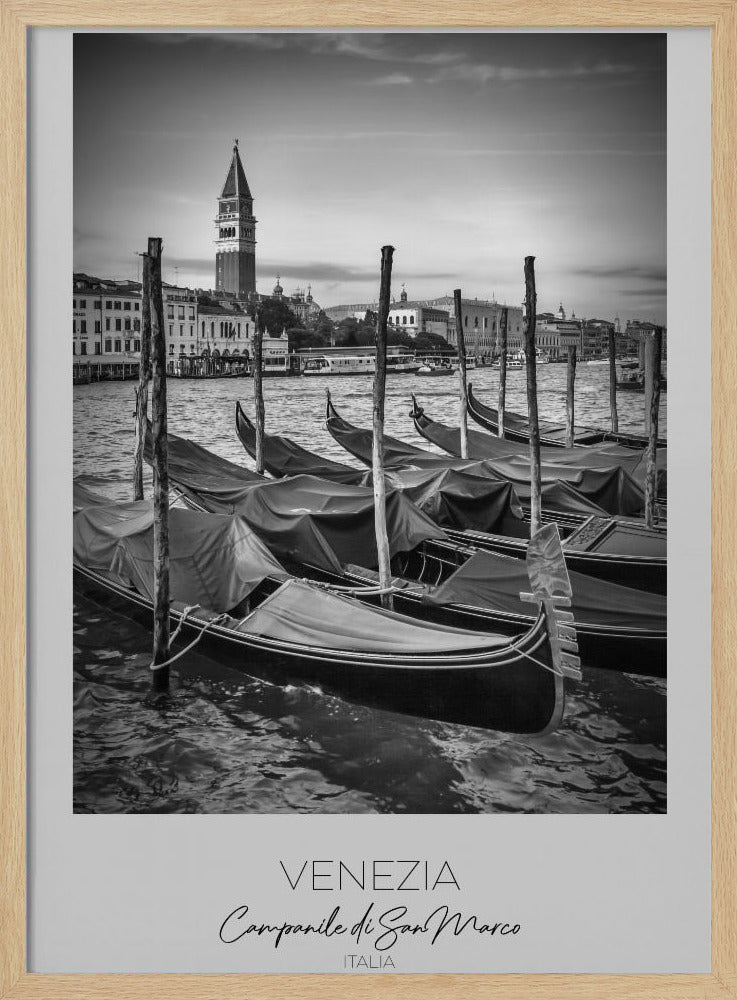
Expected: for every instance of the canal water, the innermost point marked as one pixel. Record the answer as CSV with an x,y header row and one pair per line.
x,y
229,743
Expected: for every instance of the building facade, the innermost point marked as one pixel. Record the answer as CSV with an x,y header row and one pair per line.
x,y
481,325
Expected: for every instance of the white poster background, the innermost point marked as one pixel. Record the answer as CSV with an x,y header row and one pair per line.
x,y
148,893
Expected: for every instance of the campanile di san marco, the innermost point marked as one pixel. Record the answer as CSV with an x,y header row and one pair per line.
x,y
235,234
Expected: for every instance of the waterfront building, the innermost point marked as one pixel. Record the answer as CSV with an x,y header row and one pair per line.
x,y
416,317
106,316
481,325
235,239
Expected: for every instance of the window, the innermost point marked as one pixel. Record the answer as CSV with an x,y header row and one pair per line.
x,y
98,328
137,306
83,326
181,329
171,329
127,345
84,349
127,305
170,312
191,312
74,326
171,348
181,312
191,329
127,324
98,349
83,303
117,305
412,318
486,322
136,324
107,322
136,345
108,346
191,348
117,325
465,321
181,348
97,303
203,328
404,320
74,303
74,348
476,322
117,347
108,303
239,331
212,329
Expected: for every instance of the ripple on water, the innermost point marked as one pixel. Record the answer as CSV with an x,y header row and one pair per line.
x,y
229,743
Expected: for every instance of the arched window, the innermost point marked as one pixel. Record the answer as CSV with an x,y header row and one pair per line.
x,y
212,329
203,328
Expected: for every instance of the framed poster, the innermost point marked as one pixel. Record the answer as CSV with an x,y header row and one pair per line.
x,y
420,834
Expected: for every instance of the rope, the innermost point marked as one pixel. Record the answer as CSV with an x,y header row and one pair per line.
x,y
367,591
205,627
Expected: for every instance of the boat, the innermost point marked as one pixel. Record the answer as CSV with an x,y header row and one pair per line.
x,y
635,382
432,370
474,511
358,364
553,433
515,455
324,532
228,592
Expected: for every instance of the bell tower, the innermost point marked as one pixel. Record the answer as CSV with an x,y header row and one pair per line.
x,y
235,234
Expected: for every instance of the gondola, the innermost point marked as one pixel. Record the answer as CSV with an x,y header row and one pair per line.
x,y
615,549
230,592
517,428
483,446
442,577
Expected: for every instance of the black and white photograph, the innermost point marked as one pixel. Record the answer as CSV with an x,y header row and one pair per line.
x,y
370,372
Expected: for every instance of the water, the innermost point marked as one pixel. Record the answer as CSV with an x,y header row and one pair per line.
x,y
228,743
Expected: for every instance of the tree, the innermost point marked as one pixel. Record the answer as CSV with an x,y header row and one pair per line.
x,y
275,315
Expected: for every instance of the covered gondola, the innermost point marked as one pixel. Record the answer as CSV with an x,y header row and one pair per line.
x,y
552,433
620,550
483,446
229,592
619,628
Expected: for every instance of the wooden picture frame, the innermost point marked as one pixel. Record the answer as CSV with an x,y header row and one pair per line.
x,y
16,16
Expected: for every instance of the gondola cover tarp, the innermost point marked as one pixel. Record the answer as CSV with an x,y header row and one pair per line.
x,y
494,581
215,561
301,518
304,614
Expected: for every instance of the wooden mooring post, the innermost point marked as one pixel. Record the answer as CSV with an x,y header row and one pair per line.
x,y
144,377
160,674
571,397
503,336
653,357
462,383
377,451
258,393
613,381
534,422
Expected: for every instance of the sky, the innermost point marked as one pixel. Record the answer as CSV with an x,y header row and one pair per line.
x,y
466,151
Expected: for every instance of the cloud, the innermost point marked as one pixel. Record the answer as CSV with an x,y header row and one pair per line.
x,y
391,80
656,275
483,73
649,293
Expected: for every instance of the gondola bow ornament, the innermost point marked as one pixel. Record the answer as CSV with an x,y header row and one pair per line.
x,y
551,587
